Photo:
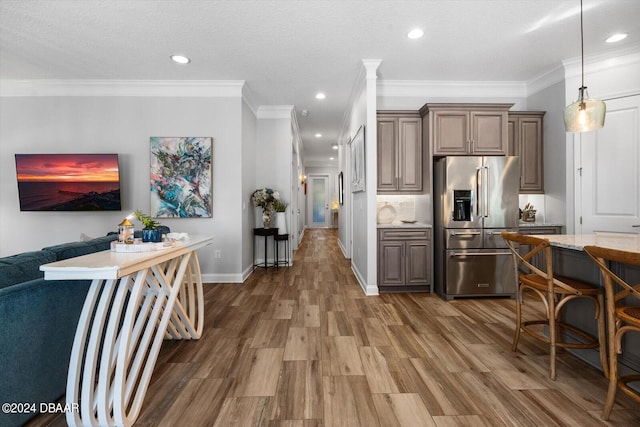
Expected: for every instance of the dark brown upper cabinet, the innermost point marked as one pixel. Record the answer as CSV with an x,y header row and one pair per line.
x,y
400,152
525,141
467,129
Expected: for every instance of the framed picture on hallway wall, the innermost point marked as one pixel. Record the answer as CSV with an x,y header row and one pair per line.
x,y
357,161
181,177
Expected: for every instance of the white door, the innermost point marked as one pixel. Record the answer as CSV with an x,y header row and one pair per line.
x,y
318,213
608,191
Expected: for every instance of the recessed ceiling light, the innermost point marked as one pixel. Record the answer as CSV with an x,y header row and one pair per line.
x,y
616,38
334,146
332,158
416,33
320,95
318,135
180,59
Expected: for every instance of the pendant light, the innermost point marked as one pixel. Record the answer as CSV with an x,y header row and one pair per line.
x,y
585,114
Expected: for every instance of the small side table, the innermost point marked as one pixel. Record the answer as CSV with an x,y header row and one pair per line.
x,y
266,232
276,241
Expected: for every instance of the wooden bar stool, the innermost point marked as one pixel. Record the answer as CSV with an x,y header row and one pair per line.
x,y
555,292
621,317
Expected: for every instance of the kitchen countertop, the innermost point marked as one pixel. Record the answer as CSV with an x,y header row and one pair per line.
x,y
398,224
621,241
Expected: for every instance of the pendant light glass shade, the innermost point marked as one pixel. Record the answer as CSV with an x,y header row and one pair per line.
x,y
585,114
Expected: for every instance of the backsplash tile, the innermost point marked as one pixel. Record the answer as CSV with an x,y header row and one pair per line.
x,y
405,206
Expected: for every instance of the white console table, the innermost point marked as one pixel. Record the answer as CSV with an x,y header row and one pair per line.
x,y
135,301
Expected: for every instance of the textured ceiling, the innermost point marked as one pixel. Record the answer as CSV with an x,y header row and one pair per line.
x,y
287,50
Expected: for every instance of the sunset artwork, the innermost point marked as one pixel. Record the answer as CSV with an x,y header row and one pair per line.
x,y
68,182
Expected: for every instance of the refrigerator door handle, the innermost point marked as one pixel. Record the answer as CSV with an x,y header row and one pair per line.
x,y
464,233
485,190
478,189
459,254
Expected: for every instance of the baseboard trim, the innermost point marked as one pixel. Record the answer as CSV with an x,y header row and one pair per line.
x,y
343,249
367,289
223,278
235,278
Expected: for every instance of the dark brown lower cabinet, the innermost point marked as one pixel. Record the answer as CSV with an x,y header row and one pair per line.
x,y
538,259
404,259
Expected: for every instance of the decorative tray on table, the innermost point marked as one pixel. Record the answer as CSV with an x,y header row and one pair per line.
x,y
139,246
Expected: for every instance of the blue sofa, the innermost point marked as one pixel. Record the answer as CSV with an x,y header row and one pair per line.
x,y
38,320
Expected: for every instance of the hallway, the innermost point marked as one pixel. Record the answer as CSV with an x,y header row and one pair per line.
x,y
304,347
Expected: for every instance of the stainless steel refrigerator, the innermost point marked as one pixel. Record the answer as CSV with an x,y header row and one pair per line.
x,y
475,199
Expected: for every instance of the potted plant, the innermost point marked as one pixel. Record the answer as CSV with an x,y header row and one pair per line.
x,y
281,219
150,230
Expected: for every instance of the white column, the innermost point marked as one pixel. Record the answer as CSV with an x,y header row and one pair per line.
x,y
371,138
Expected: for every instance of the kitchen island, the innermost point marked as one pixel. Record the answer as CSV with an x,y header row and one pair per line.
x,y
570,260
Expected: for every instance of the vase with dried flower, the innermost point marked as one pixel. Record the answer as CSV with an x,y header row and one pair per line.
x,y
266,199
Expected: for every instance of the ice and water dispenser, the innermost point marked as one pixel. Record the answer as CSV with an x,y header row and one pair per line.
x,y
462,205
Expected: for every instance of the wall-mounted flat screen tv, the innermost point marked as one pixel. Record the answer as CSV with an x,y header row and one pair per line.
x,y
68,182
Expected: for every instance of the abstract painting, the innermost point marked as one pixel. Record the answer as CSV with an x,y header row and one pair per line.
x,y
181,171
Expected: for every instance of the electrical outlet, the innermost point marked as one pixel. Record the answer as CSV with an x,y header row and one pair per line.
x,y
218,254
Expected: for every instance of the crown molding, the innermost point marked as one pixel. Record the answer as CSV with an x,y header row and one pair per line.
x,y
356,90
151,88
275,112
429,89
249,98
596,63
372,65
545,80
316,162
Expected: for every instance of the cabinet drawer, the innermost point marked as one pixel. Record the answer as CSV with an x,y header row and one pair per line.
x,y
539,230
404,234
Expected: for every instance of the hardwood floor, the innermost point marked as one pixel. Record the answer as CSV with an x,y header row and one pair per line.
x,y
304,347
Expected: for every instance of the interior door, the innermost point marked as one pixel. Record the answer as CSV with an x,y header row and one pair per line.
x,y
609,164
319,215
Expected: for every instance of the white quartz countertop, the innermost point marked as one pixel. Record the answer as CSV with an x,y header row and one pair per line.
x,y
620,241
398,224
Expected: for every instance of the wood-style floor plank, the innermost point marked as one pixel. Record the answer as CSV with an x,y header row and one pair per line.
x,y
304,347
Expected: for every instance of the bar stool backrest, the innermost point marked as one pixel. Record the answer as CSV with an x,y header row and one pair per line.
x,y
601,256
539,244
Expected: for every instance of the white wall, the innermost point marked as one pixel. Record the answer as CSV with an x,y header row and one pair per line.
x,y
358,201
249,131
298,208
606,79
554,151
344,210
123,125
412,95
273,160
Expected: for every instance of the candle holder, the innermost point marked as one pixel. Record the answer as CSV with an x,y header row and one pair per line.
x,y
125,232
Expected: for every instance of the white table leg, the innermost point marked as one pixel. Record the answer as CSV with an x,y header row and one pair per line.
x,y
119,335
